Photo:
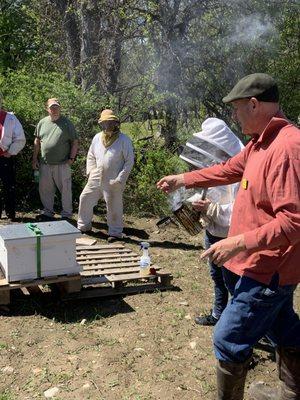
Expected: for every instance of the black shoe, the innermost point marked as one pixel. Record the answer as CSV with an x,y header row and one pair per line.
x,y
206,320
112,239
89,232
44,218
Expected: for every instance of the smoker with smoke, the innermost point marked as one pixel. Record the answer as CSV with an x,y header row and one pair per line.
x,y
197,153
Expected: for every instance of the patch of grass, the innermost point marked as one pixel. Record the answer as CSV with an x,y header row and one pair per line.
x,y
15,333
54,377
60,377
3,346
133,395
178,274
113,383
167,376
195,286
108,342
6,395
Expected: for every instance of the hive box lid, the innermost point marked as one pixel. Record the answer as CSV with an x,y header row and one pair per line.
x,y
53,228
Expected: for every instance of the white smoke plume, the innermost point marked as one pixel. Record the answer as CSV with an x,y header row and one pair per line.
x,y
254,29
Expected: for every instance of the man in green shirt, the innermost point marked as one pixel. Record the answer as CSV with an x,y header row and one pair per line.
x,y
57,143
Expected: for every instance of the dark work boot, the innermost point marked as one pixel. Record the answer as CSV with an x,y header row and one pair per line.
x,y
231,379
288,363
206,320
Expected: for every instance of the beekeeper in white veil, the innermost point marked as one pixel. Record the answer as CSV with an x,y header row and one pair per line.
x,y
216,143
109,162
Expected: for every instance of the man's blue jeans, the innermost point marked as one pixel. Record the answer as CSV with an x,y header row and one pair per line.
x,y
221,292
255,310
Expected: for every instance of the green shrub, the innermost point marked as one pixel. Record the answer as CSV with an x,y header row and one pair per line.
x,y
25,93
152,162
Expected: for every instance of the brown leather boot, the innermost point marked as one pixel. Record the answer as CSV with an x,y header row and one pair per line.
x,y
231,379
288,363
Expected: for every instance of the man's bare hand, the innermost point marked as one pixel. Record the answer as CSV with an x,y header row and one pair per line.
x,y
201,205
170,183
225,249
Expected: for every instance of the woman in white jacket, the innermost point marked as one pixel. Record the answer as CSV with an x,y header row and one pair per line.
x,y
109,162
12,141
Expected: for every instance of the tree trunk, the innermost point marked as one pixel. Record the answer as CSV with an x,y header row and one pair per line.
x,y
169,128
113,63
73,44
90,43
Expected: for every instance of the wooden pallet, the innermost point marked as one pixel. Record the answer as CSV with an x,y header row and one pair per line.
x,y
106,270
113,270
65,283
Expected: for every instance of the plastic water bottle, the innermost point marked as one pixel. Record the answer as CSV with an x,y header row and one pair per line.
x,y
36,175
145,259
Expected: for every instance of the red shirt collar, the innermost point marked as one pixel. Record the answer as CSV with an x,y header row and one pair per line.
x,y
277,122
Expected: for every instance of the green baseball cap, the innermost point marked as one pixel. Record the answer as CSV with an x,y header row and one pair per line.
x,y
261,86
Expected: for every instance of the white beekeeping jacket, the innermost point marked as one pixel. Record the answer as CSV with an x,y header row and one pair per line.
x,y
114,162
214,144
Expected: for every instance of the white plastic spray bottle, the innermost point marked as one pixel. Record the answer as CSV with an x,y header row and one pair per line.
x,y
145,259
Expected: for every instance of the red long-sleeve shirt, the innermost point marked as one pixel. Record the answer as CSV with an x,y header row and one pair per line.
x,y
267,206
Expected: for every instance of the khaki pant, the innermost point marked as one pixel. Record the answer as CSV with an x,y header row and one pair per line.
x,y
113,197
52,177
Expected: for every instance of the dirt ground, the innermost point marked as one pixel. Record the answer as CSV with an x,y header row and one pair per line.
x,y
141,347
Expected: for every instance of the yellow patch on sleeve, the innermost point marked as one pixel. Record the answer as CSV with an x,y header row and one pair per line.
x,y
244,183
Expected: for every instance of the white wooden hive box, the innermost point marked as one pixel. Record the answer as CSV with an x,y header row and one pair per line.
x,y
22,258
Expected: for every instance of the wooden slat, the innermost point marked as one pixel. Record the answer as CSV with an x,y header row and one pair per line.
x,y
107,256
104,253
96,266
127,277
85,241
42,281
111,271
108,291
3,283
103,246
112,260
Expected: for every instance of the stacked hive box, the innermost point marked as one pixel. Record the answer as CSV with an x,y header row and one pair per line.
x,y
29,251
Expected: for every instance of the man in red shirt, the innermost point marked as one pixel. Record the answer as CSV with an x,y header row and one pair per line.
x,y
262,252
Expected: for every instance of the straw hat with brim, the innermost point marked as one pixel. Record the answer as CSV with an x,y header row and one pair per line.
x,y
261,86
108,115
